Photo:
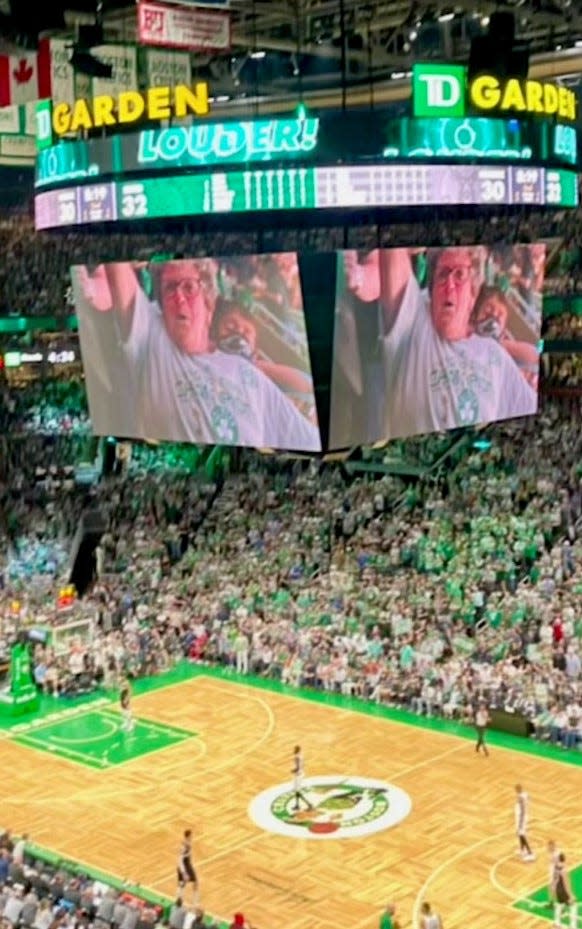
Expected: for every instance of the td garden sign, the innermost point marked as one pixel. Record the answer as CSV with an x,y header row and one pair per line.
x,y
131,106
444,90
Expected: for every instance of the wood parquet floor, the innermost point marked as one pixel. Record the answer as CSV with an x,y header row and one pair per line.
x,y
456,848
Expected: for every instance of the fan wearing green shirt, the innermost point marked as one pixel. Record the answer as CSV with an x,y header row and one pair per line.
x,y
387,919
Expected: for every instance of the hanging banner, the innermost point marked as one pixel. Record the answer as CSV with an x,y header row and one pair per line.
x,y
57,73
17,132
167,69
19,78
181,27
10,119
123,60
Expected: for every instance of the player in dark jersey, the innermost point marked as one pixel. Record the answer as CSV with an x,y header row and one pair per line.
x,y
128,723
185,872
554,854
563,892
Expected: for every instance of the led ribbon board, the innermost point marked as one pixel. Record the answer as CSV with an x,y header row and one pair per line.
x,y
357,137
346,187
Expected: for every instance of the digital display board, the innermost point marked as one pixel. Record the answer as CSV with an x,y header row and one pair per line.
x,y
459,333
346,187
206,350
357,137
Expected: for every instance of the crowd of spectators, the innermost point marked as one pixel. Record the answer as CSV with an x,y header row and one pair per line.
x,y
563,370
427,593
49,407
564,326
40,892
35,278
36,893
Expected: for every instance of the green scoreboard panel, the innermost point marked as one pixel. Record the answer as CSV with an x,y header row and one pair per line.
x,y
319,188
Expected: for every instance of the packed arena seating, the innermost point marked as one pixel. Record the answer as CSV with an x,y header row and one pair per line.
x,y
564,370
55,407
39,891
35,280
424,592
564,326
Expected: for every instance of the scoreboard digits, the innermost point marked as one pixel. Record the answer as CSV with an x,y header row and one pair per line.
x,y
493,185
132,201
345,187
67,207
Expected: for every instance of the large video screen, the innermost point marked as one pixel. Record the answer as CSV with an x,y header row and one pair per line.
x,y
204,350
431,340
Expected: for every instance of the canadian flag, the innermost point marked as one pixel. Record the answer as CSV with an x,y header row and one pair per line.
x,y
19,79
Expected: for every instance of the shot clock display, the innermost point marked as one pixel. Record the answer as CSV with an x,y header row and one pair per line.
x,y
338,187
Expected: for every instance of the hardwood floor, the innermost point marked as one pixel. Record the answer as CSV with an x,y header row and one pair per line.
x,y
456,848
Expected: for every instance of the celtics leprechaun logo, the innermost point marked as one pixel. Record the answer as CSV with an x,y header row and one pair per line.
x,y
332,807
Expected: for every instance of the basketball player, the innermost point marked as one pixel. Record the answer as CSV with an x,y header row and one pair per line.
x,y
429,919
482,720
297,772
128,723
186,872
521,811
554,854
563,892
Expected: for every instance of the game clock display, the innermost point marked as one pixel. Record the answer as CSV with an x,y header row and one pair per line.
x,y
343,187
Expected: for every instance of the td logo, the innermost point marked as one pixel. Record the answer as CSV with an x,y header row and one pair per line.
x,y
44,129
438,90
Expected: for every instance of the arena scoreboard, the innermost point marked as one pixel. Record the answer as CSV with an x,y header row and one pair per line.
x,y
343,187
302,163
355,138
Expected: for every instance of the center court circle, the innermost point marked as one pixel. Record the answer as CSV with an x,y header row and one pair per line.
x,y
332,807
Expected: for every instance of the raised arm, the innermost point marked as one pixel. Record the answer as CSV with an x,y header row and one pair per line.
x,y
395,273
110,287
123,286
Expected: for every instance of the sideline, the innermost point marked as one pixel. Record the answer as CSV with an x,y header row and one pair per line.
x,y
185,671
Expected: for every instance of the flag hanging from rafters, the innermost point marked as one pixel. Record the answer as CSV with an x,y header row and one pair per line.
x,y
19,78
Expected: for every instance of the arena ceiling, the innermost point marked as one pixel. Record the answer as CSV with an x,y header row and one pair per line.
x,y
282,47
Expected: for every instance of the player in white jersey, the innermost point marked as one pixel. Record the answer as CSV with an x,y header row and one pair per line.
x,y
298,772
482,719
429,919
521,814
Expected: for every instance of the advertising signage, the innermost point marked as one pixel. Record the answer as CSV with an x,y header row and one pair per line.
x,y
130,106
364,138
444,90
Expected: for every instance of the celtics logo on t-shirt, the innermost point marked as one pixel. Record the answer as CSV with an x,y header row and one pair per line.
x,y
224,425
330,807
467,408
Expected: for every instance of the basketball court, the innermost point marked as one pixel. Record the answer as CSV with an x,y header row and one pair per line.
x,y
396,810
